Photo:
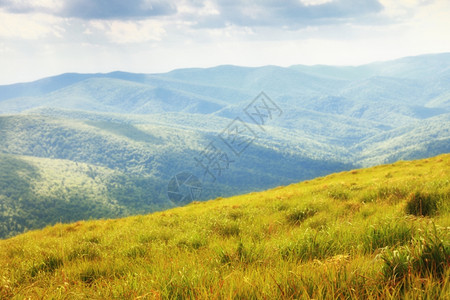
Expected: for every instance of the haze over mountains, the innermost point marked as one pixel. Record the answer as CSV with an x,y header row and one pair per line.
x,y
106,145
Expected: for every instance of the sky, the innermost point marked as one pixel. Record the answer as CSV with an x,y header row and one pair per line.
x,y
40,38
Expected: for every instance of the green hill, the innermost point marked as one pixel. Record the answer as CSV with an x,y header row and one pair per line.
x,y
112,165
382,232
36,192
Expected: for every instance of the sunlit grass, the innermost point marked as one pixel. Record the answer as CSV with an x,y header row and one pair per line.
x,y
382,232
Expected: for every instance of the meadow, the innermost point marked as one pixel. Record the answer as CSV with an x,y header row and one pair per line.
x,y
376,233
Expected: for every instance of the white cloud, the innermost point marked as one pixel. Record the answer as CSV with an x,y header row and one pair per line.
x,y
98,25
314,2
406,8
26,6
208,8
29,26
134,32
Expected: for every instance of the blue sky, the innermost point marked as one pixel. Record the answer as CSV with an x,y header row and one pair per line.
x,y
40,38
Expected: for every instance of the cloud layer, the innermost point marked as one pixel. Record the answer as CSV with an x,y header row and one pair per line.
x,y
93,9
226,12
291,13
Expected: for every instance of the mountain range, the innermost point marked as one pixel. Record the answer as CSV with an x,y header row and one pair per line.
x,y
79,146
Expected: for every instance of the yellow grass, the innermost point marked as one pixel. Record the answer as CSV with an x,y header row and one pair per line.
x,y
352,235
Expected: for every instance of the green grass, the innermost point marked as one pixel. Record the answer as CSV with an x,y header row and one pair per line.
x,y
377,233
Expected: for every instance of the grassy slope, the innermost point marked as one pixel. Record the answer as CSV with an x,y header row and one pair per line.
x,y
344,235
